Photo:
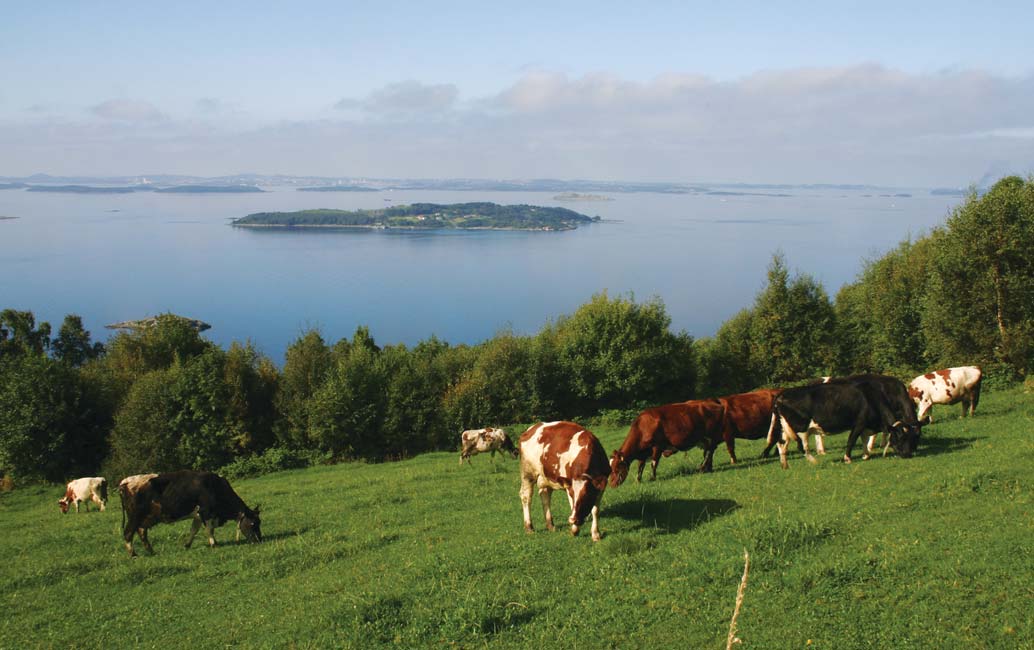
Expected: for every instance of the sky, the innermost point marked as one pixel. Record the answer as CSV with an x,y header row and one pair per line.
x,y
917,94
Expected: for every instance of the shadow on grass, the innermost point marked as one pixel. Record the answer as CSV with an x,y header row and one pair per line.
x,y
934,445
671,515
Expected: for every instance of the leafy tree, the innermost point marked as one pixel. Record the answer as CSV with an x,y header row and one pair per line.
x,y
72,344
980,302
792,327
346,411
145,436
19,334
306,364
616,353
50,425
724,361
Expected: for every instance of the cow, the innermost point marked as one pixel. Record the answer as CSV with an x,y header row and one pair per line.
x,y
747,416
91,488
663,430
563,456
835,407
204,496
947,386
892,392
478,441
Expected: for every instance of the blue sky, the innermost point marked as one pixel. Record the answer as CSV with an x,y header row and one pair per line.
x,y
893,93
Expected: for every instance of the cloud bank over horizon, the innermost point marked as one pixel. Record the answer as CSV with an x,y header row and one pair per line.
x,y
859,124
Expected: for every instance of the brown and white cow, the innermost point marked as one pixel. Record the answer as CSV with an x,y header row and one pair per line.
x,y
947,386
91,488
663,430
563,456
478,441
747,416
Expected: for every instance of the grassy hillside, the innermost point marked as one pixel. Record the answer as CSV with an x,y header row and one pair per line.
x,y
932,552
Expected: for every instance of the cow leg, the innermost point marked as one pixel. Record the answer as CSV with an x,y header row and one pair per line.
x,y
527,488
709,449
195,525
546,493
595,523
784,441
142,532
96,499
655,458
639,474
803,439
210,529
820,442
851,439
730,446
869,445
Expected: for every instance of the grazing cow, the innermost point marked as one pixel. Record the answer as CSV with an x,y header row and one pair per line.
x,y
663,430
478,441
835,407
747,416
92,488
204,496
890,391
947,386
563,456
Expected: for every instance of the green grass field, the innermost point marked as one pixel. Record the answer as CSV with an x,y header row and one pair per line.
x,y
931,552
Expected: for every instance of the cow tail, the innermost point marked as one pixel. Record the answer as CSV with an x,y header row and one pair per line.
x,y
976,394
771,427
122,502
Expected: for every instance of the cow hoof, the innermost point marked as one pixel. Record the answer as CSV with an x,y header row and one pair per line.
x,y
528,529
847,459
813,460
550,527
596,537
865,456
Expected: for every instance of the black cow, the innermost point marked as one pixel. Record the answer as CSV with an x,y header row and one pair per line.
x,y
892,392
173,496
836,407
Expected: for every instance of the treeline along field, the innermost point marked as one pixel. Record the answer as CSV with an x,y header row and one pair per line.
x,y
165,398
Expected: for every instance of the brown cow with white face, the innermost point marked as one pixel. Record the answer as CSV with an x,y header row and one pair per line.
x,y
947,386
563,456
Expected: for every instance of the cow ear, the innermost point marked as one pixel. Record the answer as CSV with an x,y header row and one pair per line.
x,y
925,421
257,508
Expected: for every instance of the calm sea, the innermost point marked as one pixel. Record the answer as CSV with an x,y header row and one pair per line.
x,y
110,258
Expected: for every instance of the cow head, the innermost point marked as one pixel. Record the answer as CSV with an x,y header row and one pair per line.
x,y
63,503
905,438
586,493
618,468
507,445
250,525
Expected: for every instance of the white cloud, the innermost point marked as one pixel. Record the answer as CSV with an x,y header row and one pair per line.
x,y
128,110
407,99
864,124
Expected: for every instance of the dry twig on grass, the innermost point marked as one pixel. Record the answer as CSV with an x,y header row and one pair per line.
x,y
739,601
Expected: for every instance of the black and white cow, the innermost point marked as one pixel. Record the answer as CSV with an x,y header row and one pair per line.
x,y
478,441
204,496
835,407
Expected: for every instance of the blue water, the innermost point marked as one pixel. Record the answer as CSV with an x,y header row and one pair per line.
x,y
119,257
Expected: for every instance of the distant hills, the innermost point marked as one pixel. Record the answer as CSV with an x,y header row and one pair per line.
x,y
254,182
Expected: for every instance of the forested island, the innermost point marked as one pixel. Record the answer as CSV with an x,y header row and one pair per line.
x,y
425,216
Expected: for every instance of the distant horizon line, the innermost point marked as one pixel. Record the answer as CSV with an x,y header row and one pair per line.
x,y
517,183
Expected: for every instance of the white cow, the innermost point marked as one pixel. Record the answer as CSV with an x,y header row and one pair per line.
x,y
947,386
478,441
93,488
